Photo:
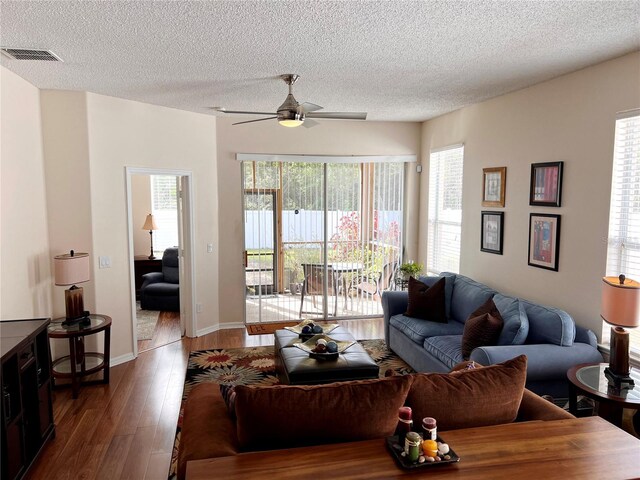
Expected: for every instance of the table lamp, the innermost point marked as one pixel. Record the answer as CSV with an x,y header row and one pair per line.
x,y
620,308
72,268
150,224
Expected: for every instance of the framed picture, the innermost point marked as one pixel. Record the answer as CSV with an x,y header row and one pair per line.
x,y
546,184
493,185
491,232
544,240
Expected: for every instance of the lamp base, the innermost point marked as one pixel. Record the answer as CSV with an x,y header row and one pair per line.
x,y
619,380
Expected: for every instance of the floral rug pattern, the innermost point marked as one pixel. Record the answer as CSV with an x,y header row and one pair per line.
x,y
256,366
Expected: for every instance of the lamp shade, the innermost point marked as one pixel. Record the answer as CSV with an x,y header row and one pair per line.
x,y
71,268
149,223
620,302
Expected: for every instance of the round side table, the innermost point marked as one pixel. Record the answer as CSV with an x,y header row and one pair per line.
x,y
589,379
79,363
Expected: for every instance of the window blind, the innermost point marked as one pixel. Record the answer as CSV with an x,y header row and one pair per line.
x,y
445,210
623,252
164,206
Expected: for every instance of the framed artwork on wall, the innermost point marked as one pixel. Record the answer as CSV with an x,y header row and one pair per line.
x,y
544,240
546,184
494,180
491,232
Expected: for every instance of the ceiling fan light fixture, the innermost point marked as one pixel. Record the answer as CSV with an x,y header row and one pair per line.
x,y
290,122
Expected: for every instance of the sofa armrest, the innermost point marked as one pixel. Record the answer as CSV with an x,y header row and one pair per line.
x,y
584,335
534,407
544,361
208,431
152,277
393,303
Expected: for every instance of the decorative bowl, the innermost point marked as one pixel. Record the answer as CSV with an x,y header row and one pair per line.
x,y
326,328
310,344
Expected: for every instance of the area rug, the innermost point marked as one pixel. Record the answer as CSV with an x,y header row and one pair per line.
x,y
256,366
146,321
267,328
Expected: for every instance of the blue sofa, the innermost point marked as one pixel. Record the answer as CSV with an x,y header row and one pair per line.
x,y
548,336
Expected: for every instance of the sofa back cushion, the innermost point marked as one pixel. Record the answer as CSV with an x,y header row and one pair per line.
x,y
470,398
284,416
467,295
549,325
516,322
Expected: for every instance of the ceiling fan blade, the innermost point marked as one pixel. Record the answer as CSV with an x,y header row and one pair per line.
x,y
310,107
251,121
308,123
339,115
222,110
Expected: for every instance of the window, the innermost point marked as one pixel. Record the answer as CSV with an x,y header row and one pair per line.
x,y
164,206
623,252
445,210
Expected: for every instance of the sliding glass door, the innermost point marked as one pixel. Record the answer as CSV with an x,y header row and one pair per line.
x,y
322,240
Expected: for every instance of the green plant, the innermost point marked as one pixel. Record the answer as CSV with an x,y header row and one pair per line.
x,y
411,269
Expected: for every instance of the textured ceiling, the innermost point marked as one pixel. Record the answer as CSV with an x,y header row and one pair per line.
x,y
397,60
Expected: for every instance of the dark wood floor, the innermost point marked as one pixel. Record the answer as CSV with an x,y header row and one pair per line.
x,y
126,429
167,330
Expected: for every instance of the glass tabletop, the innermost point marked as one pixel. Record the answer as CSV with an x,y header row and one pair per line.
x,y
592,376
86,325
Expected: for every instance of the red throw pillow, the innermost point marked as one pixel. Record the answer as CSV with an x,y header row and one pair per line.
x,y
480,331
427,302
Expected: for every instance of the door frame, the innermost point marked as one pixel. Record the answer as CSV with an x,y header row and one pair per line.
x,y
186,250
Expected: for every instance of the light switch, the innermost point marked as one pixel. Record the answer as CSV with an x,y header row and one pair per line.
x,y
104,262
209,247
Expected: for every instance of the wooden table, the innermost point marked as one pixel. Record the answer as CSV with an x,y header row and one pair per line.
x,y
577,448
79,363
589,379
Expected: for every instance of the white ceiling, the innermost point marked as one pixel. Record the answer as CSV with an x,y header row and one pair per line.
x,y
397,60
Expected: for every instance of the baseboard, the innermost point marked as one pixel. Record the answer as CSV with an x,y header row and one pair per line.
x,y
215,328
127,357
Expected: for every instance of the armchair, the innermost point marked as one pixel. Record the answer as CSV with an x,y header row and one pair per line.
x,y
161,290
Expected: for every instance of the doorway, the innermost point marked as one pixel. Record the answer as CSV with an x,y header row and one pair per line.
x,y
160,245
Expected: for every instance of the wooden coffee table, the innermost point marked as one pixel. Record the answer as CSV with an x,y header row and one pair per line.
x,y
575,448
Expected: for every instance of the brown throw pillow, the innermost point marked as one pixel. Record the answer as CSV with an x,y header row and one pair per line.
x,y
427,302
283,416
480,331
470,398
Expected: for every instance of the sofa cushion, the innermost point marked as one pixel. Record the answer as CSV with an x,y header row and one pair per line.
x,y
480,331
470,398
467,296
162,289
446,348
417,330
549,325
516,323
284,416
427,302
449,279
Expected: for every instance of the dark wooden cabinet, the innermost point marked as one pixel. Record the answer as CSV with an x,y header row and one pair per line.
x,y
26,410
141,266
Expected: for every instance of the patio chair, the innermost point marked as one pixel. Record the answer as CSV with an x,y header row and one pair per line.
x,y
374,285
314,285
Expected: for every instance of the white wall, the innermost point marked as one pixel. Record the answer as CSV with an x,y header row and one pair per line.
x,y
26,280
330,137
570,118
141,207
119,133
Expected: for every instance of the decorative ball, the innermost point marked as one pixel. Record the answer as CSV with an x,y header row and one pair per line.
x,y
321,341
321,348
307,329
332,347
317,329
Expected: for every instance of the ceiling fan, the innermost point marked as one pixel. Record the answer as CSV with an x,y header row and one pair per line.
x,y
293,114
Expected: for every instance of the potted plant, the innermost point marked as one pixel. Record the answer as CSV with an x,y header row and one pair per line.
x,y
410,269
